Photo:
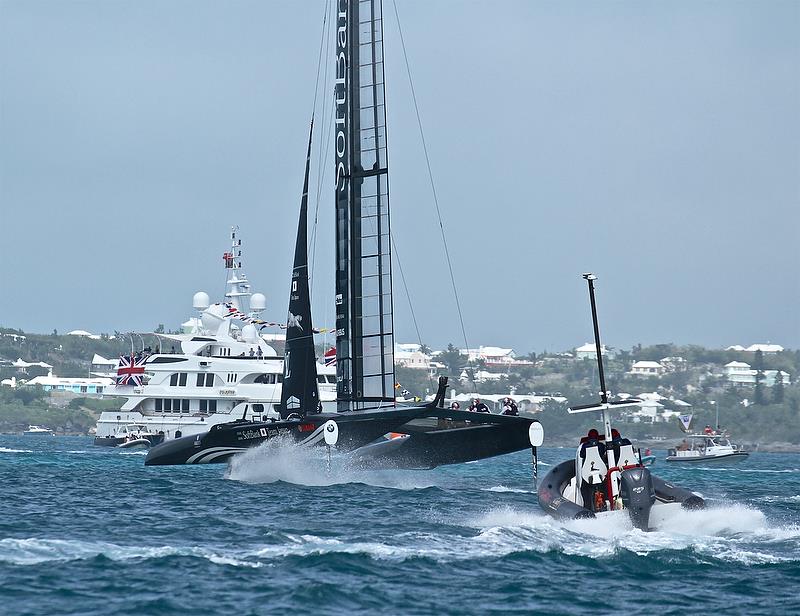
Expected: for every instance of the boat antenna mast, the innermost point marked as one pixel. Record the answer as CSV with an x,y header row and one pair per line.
x,y
237,291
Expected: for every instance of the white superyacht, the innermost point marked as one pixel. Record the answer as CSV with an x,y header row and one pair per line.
x,y
219,370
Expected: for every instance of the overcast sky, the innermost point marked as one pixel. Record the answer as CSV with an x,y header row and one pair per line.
x,y
656,144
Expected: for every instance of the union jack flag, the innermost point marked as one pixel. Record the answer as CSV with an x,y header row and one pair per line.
x,y
131,370
330,357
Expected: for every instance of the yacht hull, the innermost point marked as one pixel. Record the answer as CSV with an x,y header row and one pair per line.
x,y
727,457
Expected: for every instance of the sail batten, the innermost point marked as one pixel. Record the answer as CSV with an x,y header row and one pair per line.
x,y
364,315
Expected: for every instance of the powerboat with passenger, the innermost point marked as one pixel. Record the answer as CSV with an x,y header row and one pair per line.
x,y
131,435
607,476
706,448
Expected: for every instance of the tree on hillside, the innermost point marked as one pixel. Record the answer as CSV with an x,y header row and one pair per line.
x,y
453,359
777,389
758,366
425,349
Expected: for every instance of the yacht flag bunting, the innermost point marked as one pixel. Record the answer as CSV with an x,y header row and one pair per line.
x,y
686,421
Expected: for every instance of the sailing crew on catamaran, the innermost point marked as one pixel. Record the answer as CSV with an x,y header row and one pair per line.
x,y
478,407
510,407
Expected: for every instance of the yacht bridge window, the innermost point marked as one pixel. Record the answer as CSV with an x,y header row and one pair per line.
x,y
269,379
205,379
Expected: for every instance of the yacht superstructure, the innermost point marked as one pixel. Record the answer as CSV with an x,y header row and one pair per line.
x,y
220,369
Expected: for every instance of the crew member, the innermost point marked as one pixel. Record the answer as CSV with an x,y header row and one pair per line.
x,y
478,407
510,407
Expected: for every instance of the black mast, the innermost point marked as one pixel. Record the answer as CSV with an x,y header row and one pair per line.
x,y
299,393
590,278
364,316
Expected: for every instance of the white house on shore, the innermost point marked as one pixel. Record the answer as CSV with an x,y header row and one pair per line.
x,y
589,351
495,357
647,368
71,385
740,373
103,368
767,349
410,355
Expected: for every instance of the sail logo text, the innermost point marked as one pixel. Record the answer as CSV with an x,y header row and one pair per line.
x,y
340,95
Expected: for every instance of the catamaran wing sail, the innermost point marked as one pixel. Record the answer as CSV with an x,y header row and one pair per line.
x,y
364,321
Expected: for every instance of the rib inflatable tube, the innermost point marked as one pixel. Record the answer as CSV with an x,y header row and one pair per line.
x,y
552,501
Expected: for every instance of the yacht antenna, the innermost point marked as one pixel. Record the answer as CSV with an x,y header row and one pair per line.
x,y
238,286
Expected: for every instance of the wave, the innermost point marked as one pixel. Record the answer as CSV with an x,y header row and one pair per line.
x,y
502,488
37,551
779,499
732,533
133,453
275,461
748,470
10,450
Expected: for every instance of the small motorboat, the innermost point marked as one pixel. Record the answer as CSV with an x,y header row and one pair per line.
x,y
706,448
133,441
607,476
130,435
38,431
648,460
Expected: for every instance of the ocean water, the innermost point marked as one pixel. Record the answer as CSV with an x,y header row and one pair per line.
x,y
89,530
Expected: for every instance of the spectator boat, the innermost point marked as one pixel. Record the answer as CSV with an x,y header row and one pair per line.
x,y
38,431
706,448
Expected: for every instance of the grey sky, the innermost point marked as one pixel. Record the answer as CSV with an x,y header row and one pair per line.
x,y
657,144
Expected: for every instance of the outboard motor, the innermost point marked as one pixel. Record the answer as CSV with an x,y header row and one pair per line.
x,y
638,495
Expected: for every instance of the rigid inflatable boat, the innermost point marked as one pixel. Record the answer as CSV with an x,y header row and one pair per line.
x,y
607,476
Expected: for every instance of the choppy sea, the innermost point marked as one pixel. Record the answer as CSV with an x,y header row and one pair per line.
x,y
90,530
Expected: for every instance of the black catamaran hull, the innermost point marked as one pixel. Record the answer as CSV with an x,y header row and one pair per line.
x,y
553,502
426,445
228,439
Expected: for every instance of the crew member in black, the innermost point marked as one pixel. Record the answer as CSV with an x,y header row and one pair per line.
x,y
478,407
510,407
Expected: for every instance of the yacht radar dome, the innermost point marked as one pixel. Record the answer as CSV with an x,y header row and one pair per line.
x,y
250,334
201,301
212,318
258,302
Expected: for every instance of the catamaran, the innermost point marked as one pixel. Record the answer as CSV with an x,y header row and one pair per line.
x,y
365,379
607,475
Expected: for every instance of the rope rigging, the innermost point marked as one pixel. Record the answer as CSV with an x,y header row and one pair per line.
x,y
433,188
